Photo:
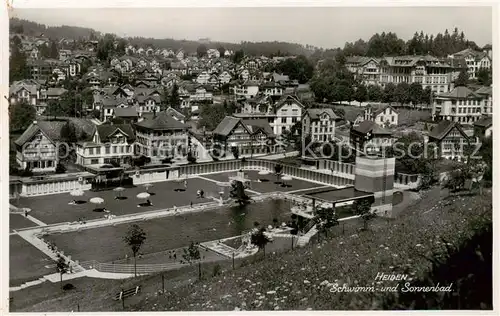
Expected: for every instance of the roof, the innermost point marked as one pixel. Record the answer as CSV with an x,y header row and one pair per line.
x,y
226,125
459,93
254,125
443,128
126,112
484,122
280,77
56,91
484,90
371,127
51,129
379,108
285,98
315,113
162,121
174,113
106,130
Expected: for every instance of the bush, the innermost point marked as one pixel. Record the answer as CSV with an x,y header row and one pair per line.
x,y
68,286
60,168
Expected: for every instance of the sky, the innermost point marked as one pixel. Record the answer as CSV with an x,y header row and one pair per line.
x,y
326,27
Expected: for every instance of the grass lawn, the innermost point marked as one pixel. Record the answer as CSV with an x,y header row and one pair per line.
x,y
54,208
269,186
409,117
106,244
17,221
27,263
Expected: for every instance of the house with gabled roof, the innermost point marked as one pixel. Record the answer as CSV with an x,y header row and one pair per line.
x,y
383,114
484,127
246,136
161,136
22,91
319,123
288,111
450,139
110,143
37,148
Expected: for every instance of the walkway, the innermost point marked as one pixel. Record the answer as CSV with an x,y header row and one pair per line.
x,y
281,155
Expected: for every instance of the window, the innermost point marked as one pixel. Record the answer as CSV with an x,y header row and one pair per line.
x,y
91,151
392,119
107,150
114,149
122,150
98,151
283,120
49,163
94,161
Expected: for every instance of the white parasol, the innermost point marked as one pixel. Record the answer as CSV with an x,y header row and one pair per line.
x,y
143,195
97,200
286,178
147,186
264,172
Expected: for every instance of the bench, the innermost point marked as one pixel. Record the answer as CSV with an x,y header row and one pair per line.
x,y
126,293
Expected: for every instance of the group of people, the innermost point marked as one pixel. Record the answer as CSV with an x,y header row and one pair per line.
x,y
200,193
82,220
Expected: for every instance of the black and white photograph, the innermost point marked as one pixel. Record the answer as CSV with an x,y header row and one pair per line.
x,y
296,158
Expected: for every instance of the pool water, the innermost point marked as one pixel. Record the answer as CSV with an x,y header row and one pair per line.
x,y
106,244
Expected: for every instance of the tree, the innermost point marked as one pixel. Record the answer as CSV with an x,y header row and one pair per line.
x,y
62,267
201,50
362,207
238,56
402,93
191,254
299,68
325,218
21,115
54,53
260,239
463,79
361,93
427,95
484,76
333,82
237,192
221,50
235,152
389,93
174,98
135,238
121,46
55,109
416,93
68,133
375,93
18,69
211,116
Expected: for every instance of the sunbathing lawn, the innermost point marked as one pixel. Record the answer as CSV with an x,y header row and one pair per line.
x,y
17,221
27,263
106,244
268,186
54,208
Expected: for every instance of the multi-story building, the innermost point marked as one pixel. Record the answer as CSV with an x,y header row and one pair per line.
x,y
161,136
461,105
37,149
246,136
281,116
110,143
319,124
429,71
487,94
248,89
475,60
288,111
450,140
24,91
